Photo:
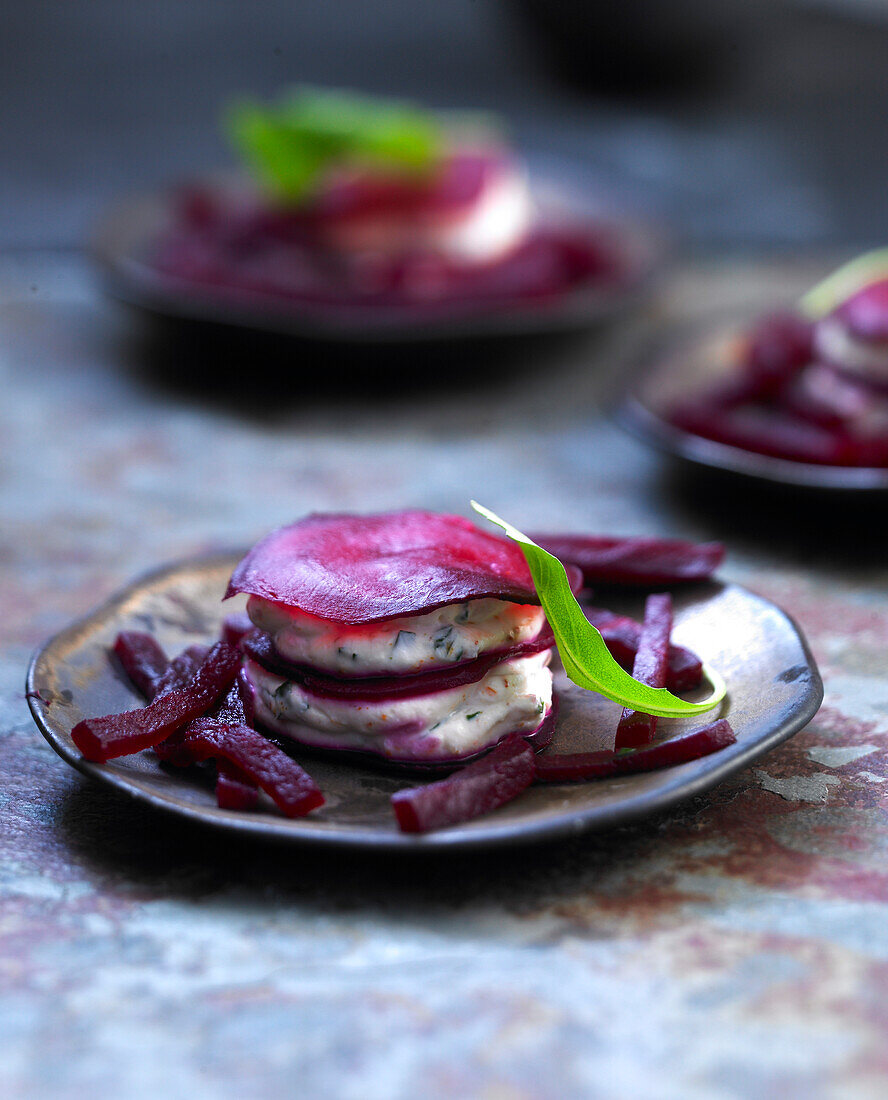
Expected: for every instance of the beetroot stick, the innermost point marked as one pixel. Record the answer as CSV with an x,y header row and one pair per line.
x,y
827,397
237,706
235,709
649,667
621,634
235,626
474,790
142,659
141,656
599,765
641,561
180,670
763,431
101,739
234,788
268,766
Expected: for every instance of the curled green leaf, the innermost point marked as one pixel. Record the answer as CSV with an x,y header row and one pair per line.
x,y
845,281
290,145
584,655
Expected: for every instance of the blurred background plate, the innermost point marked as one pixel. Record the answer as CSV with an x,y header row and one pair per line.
x,y
774,687
687,358
126,233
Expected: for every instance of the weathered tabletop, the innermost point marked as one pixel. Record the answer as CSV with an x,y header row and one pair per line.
x,y
736,947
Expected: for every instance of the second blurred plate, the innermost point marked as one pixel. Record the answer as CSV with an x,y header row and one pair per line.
x,y
125,235
684,360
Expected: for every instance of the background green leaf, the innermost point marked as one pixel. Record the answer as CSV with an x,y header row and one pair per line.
x,y
290,146
845,281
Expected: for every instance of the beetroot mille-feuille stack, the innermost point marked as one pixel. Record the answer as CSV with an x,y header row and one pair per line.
x,y
411,636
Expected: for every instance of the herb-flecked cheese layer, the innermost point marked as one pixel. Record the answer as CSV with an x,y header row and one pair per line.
x,y
514,696
409,644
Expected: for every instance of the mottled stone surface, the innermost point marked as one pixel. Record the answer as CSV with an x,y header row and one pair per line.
x,y
734,948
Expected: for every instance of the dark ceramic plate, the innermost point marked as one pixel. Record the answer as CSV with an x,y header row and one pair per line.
x,y
775,689
690,359
123,237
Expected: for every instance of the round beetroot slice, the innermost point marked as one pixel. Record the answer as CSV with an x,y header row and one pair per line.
x,y
363,569
450,191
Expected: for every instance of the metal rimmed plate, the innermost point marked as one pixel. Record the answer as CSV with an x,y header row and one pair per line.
x,y
124,236
690,359
775,689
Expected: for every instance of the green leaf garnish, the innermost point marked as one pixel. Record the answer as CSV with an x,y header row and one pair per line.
x,y
845,281
291,145
583,653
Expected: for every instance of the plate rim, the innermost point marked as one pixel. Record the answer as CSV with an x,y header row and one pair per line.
x,y
710,770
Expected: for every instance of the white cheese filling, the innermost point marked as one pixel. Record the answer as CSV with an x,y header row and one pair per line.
x,y
834,342
497,221
414,643
514,696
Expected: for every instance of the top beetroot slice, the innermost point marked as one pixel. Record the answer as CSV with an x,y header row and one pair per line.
x,y
363,569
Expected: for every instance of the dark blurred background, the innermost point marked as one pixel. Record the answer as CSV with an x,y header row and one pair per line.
x,y
745,123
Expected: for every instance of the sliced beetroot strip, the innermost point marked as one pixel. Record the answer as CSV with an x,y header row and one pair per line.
x,y
142,659
621,635
259,647
235,627
778,347
477,789
237,706
866,451
776,351
574,767
235,709
824,395
251,251
268,766
765,431
101,739
650,667
363,569
641,561
181,670
574,576
234,788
